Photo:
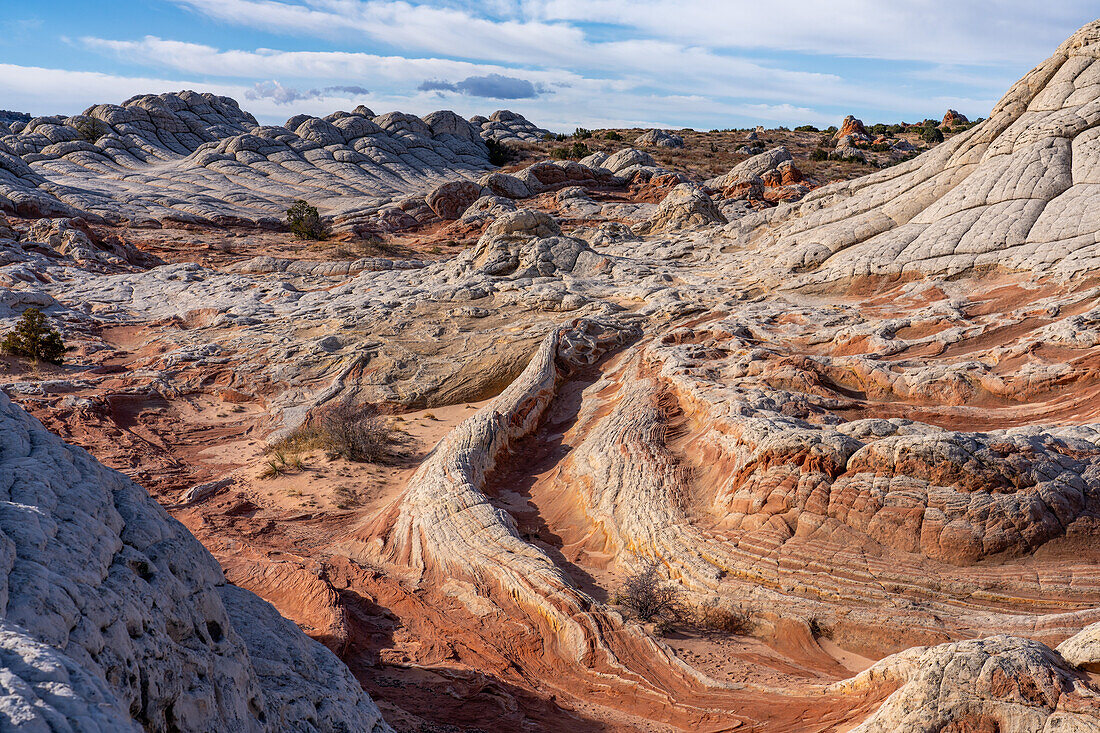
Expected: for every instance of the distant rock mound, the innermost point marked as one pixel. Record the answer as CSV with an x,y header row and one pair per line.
x,y
659,139
953,118
199,158
1019,191
8,117
113,617
507,126
851,130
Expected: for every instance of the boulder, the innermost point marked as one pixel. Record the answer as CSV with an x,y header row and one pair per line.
x,y
449,200
686,206
852,126
1082,650
953,118
503,184
626,158
660,139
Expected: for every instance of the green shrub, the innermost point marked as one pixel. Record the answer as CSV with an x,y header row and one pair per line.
x,y
304,222
582,134
932,135
559,153
806,128
33,338
819,154
499,153
612,135
880,148
578,151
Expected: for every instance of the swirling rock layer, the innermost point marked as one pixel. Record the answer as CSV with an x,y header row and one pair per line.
x,y
861,427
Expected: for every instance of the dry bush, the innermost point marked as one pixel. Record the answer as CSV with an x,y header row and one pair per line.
x,y
354,432
650,597
817,629
724,620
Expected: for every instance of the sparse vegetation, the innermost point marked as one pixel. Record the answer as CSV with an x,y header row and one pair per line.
x,y
817,629
575,151
499,153
33,338
346,430
648,596
932,135
305,222
582,134
273,469
723,620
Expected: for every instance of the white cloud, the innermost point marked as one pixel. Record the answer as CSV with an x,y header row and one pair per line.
x,y
552,31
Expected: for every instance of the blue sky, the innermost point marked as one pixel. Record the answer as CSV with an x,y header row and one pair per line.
x,y
562,63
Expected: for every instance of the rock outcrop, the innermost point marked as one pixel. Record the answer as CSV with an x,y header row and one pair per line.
x,y
507,126
115,618
199,158
659,139
951,118
1012,193
859,435
685,207
851,130
998,683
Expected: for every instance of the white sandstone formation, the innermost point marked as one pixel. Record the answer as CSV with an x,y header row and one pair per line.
x,y
113,617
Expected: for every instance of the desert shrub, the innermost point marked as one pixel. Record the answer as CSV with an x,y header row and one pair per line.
x,y
819,154
806,128
932,135
355,432
582,134
723,620
831,130
559,153
880,148
817,629
33,338
499,153
612,135
579,150
90,128
304,222
648,596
